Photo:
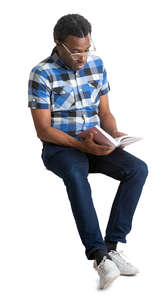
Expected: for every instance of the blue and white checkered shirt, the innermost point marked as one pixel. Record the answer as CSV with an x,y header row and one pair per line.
x,y
72,96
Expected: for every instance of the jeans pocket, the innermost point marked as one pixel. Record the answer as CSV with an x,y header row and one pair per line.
x,y
49,150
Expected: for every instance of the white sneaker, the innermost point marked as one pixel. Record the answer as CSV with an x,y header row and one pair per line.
x,y
107,271
125,267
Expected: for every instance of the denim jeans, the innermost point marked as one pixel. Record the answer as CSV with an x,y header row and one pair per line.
x,y
73,166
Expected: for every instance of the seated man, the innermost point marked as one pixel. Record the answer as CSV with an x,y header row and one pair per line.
x,y
68,93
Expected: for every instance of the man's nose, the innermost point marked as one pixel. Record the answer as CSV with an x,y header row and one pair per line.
x,y
82,59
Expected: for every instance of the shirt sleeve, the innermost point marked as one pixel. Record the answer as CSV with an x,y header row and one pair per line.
x,y
38,90
105,84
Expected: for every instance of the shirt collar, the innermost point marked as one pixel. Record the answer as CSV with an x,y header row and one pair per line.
x,y
59,61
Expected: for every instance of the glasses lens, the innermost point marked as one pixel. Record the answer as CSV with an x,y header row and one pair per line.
x,y
78,55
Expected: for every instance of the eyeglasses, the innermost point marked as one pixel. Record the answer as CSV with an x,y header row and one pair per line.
x,y
75,56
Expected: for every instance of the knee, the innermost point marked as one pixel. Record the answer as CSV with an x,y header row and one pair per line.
x,y
77,172
142,169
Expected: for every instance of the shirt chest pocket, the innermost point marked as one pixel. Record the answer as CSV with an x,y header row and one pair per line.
x,y
94,87
62,98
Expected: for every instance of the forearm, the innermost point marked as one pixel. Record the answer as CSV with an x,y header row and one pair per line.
x,y
55,136
108,123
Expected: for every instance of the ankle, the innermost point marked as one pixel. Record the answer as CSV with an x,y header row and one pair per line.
x,y
99,254
111,246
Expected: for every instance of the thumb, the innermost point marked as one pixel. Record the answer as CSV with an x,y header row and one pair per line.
x,y
90,136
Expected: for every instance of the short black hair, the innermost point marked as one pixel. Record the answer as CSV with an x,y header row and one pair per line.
x,y
71,24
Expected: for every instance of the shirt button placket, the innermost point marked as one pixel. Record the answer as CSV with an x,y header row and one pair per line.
x,y
81,103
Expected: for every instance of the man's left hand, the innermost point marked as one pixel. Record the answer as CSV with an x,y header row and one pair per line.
x,y
118,134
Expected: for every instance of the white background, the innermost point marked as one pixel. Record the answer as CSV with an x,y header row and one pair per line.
x,y
41,254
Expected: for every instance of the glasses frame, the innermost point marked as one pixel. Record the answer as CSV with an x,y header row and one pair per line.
x,y
75,55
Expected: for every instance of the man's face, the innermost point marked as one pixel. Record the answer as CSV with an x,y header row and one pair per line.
x,y
75,45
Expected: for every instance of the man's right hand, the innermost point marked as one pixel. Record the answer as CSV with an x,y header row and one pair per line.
x,y
42,121
90,146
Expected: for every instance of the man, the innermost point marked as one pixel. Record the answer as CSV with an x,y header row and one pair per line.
x,y
68,93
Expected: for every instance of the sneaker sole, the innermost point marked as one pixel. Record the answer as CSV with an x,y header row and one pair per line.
x,y
109,281
133,274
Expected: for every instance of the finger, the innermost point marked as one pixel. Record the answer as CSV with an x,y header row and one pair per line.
x,y
118,134
90,136
107,151
103,147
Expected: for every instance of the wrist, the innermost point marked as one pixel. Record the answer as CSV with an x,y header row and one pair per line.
x,y
74,143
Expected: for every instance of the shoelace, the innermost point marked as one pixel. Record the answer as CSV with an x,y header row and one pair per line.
x,y
100,266
119,255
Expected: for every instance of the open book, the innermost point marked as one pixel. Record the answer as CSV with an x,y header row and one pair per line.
x,y
103,138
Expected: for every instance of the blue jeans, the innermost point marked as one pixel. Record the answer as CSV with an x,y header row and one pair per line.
x,y
73,166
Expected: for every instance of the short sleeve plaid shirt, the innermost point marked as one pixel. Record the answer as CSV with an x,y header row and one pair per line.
x,y
72,96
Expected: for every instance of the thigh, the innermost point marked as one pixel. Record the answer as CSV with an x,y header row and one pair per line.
x,y
117,164
61,160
